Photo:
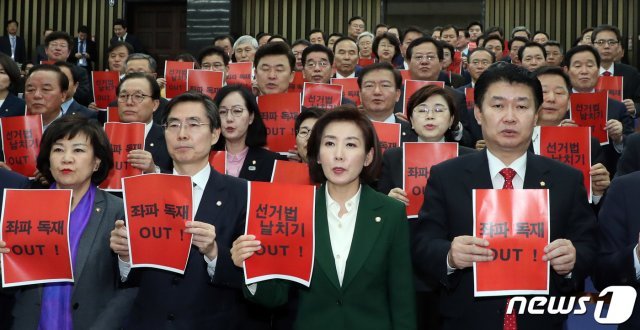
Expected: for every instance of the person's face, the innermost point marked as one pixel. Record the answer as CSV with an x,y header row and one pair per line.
x,y
446,58
478,63
273,74
395,32
297,52
82,36
73,85
356,27
496,47
554,55
317,68
436,35
117,58
507,118
129,109
119,31
332,40
139,65
521,34
586,38
533,58
462,41
213,62
190,145
583,71
540,38
513,52
424,63
380,30
245,53
365,44
12,28
303,137
342,154
555,99
346,57
58,50
73,162
235,118
226,45
43,93
5,81
386,51
408,38
379,93
316,38
263,40
432,118
608,45
449,36
474,32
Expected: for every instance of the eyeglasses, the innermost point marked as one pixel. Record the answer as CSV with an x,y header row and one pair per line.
x,y
174,126
609,42
305,133
209,66
423,110
321,64
135,98
428,58
234,111
58,45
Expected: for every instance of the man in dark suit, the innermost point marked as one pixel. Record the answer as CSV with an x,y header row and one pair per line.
x,y
507,103
12,44
11,104
70,106
58,47
40,54
346,53
630,159
84,49
121,34
617,262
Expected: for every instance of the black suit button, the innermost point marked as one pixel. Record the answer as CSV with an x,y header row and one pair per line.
x,y
171,317
75,306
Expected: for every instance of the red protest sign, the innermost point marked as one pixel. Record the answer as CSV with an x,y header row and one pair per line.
x,y
284,224
175,73
50,62
297,84
388,134
412,86
612,85
240,74
350,89
366,61
406,75
279,113
124,137
37,236
418,158
21,136
113,116
591,110
516,224
205,81
456,63
218,160
570,145
290,172
469,97
157,207
104,87
324,96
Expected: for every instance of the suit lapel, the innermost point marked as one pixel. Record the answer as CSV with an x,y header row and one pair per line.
x,y
324,254
478,171
536,175
151,140
88,237
208,210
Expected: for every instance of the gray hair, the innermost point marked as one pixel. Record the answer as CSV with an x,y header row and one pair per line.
x,y
153,65
246,39
365,34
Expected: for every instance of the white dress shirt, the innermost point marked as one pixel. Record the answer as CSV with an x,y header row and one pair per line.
x,y
341,229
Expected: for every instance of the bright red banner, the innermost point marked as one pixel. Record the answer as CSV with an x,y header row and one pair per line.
x,y
365,61
591,110
37,235
21,136
406,75
570,145
456,63
350,89
218,160
291,172
470,98
297,85
284,224
124,137
612,85
279,113
240,74
412,86
388,134
516,224
205,81
104,87
418,158
157,208
113,116
175,73
324,96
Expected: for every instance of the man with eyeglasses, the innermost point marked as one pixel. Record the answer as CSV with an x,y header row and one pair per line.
x,y
606,39
480,59
317,61
58,46
355,26
297,48
214,58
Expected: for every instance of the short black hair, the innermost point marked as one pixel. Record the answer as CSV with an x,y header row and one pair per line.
x,y
9,21
603,28
275,48
317,48
84,29
475,23
540,32
554,70
75,74
312,31
118,44
213,50
380,25
449,27
194,96
63,81
335,34
579,49
155,88
464,31
412,28
494,37
121,22
397,77
301,42
392,39
223,37
511,74
311,112
495,29
424,40
448,46
356,18
341,39
278,36
521,39
555,43
69,127
482,49
257,131
58,35
520,29
531,44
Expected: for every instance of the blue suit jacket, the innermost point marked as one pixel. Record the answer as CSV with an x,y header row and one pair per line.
x,y
20,53
12,106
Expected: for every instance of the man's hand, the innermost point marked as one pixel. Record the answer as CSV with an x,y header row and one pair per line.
x,y
481,144
243,248
465,250
600,180
568,123
119,241
614,129
562,255
631,107
142,160
204,238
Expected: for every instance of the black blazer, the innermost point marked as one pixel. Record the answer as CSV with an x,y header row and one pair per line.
x,y
617,111
12,106
21,50
157,146
76,108
258,165
91,49
630,82
630,159
131,40
447,212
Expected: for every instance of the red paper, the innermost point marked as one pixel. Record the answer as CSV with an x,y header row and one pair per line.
x,y
124,137
218,160
297,85
365,61
591,110
21,136
291,172
412,86
37,235
175,73
113,116
456,63
284,224
350,89
418,158
570,145
240,74
104,87
468,94
157,208
324,96
406,75
279,113
516,224
205,81
612,85
388,134
50,62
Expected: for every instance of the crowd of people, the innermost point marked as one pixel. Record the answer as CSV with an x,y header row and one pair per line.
x,y
374,269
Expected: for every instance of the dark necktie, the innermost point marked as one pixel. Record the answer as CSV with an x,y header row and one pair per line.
x,y
509,319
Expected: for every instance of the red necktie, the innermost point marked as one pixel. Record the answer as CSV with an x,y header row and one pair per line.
x,y
606,74
509,319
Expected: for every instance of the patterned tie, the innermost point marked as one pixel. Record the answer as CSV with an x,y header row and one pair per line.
x,y
606,74
509,319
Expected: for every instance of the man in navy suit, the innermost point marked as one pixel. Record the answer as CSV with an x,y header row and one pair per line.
x,y
58,47
346,52
70,106
120,33
12,44
84,49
